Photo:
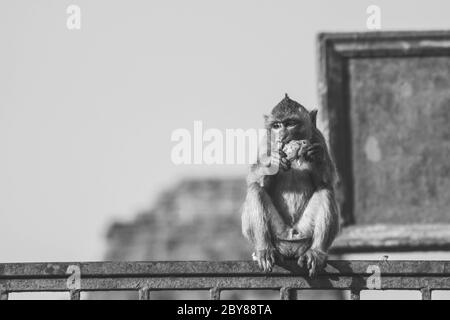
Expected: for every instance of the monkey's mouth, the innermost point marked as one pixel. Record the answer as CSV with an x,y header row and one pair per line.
x,y
295,239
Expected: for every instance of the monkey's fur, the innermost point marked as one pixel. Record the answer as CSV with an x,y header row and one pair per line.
x,y
292,213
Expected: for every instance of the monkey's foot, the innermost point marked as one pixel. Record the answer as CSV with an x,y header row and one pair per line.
x,y
265,258
279,258
314,260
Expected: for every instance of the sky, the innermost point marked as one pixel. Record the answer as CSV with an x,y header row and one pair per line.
x,y
86,115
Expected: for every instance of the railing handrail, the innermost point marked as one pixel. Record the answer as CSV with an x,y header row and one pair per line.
x,y
230,268
143,276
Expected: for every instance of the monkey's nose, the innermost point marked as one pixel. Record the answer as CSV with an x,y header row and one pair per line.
x,y
294,233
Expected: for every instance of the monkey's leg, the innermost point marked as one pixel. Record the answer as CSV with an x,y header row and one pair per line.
x,y
261,220
320,220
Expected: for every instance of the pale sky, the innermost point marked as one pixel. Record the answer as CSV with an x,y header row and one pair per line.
x,y
86,116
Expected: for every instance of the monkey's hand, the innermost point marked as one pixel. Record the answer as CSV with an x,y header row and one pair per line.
x,y
314,260
265,258
315,152
285,164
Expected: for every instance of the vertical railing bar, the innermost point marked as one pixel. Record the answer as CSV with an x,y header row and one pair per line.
x,y
4,295
144,293
288,294
214,293
355,294
75,294
426,293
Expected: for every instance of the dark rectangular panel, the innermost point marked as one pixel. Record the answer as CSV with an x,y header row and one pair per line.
x,y
400,134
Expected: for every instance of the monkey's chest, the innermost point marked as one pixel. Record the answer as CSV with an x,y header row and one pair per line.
x,y
291,192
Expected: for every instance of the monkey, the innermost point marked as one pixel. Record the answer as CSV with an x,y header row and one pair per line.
x,y
292,212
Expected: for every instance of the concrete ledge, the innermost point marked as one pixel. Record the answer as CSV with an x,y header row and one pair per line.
x,y
394,238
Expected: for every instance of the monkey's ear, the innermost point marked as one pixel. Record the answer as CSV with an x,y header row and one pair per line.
x,y
266,119
313,116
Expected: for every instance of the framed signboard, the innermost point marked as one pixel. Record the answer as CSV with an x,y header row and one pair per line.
x,y
386,100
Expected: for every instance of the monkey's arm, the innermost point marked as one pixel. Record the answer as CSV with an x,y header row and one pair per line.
x,y
318,153
321,216
326,220
260,218
255,225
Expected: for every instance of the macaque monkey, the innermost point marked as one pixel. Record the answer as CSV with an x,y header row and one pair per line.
x,y
292,212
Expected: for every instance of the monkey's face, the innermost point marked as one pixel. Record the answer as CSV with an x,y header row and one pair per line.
x,y
291,128
289,121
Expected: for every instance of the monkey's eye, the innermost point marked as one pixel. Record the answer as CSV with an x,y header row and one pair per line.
x,y
276,125
291,123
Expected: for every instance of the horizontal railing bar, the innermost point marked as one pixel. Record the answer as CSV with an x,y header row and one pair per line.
x,y
225,275
207,268
229,283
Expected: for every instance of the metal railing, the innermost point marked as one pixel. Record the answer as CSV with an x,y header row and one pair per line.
x,y
145,277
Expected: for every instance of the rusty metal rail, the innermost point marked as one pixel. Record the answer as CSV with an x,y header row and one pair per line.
x,y
145,277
